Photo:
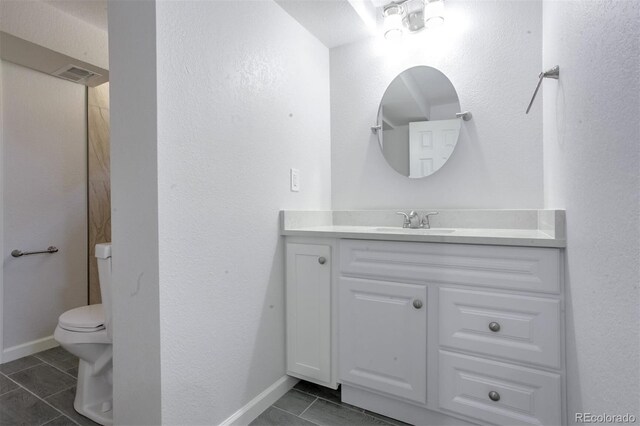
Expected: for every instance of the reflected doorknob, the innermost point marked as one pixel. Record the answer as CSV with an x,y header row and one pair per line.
x,y
322,260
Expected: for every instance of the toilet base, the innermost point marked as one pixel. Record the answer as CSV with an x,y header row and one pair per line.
x,y
94,393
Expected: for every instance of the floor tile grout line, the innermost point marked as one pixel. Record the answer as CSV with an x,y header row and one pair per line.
x,y
305,392
314,395
287,411
341,404
348,408
60,391
43,400
52,366
57,368
278,408
22,369
56,418
309,406
4,393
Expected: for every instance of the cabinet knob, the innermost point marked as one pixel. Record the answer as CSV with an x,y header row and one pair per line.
x,y
495,327
417,303
494,396
322,260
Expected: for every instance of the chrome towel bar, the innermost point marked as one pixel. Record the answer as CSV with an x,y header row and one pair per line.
x,y
550,73
19,253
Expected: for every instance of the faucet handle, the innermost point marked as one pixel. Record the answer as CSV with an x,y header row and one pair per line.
x,y
425,219
406,222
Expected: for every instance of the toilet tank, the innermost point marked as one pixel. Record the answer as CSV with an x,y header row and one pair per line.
x,y
103,256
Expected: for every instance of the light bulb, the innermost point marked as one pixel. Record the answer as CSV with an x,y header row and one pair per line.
x,y
413,19
393,23
434,13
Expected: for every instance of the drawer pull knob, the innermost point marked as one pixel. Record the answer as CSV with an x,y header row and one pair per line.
x,y
322,260
494,396
417,303
495,327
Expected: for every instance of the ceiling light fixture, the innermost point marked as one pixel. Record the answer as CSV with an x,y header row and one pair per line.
x,y
412,15
434,13
393,22
413,18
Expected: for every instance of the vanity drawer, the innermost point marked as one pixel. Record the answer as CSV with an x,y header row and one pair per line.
x,y
522,328
531,269
498,393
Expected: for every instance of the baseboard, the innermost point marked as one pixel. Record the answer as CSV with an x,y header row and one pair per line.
x,y
29,348
257,405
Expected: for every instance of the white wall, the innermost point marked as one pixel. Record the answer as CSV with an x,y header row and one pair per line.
x,y
243,95
47,26
44,180
591,169
491,52
134,213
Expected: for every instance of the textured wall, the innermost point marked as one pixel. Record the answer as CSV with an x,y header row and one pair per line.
x,y
243,95
491,52
592,153
99,179
134,213
44,203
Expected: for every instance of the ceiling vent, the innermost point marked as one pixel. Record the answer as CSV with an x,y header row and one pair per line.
x,y
75,74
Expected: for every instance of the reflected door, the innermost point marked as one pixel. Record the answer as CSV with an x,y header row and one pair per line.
x,y
431,143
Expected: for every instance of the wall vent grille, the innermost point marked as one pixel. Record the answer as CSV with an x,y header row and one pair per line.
x,y
75,74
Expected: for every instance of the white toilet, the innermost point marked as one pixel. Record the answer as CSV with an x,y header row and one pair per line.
x,y
86,333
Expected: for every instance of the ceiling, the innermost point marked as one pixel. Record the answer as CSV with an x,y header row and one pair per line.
x,y
333,22
93,12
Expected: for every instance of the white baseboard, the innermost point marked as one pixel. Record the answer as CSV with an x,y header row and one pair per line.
x,y
29,348
257,405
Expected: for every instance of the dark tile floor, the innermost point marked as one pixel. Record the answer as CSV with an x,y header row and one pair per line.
x,y
308,404
39,390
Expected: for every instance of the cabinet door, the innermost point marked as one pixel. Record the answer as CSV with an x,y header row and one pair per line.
x,y
309,312
383,337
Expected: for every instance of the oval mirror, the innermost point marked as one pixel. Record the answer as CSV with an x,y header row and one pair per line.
x,y
417,125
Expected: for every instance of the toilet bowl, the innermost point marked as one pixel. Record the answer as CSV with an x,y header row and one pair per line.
x,y
86,333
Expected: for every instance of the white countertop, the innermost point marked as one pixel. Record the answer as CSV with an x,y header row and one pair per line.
x,y
520,233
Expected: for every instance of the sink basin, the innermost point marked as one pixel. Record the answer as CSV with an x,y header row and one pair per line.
x,y
418,231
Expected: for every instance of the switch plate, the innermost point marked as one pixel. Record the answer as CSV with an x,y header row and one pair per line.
x,y
295,180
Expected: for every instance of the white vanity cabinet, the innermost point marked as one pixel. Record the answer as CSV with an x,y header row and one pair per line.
x,y
308,312
484,347
430,333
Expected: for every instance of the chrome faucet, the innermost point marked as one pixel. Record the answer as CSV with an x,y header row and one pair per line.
x,y
413,220
425,220
407,221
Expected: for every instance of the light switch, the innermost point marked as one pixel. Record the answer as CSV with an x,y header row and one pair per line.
x,y
295,180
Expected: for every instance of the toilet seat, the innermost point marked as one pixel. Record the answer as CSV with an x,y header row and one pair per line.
x,y
85,319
